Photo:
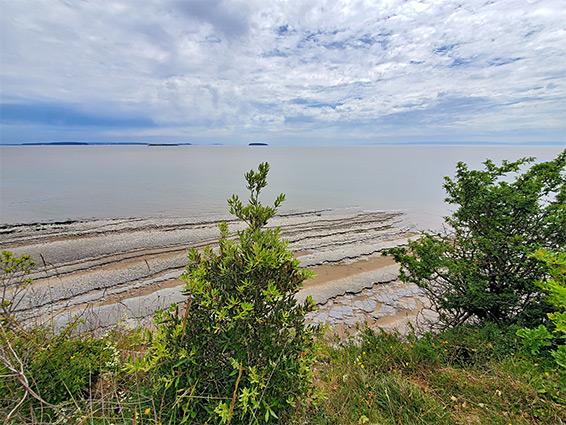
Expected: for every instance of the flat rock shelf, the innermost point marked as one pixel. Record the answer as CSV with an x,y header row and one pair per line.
x,y
122,270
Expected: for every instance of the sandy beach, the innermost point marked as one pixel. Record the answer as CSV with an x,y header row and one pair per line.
x,y
110,271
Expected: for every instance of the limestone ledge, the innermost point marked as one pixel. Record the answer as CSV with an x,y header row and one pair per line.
x,y
123,270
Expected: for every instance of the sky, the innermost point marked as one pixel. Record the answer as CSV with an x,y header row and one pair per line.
x,y
313,72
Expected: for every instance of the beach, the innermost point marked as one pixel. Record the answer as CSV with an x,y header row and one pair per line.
x,y
121,271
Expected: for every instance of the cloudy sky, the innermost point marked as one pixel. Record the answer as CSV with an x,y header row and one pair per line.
x,y
321,72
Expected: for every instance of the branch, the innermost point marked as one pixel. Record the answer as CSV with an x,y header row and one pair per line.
x,y
21,377
231,412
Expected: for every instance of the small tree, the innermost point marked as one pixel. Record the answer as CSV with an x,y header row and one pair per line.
x,y
240,352
481,268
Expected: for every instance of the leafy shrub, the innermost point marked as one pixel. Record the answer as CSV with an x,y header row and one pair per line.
x,y
65,366
555,287
58,367
480,269
13,282
42,368
240,352
477,344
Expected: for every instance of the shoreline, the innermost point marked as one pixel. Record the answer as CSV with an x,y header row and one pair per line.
x,y
111,271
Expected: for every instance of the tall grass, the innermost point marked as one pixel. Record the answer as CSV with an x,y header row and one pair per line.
x,y
469,375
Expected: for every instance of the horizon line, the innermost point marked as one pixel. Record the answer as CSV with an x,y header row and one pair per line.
x,y
246,144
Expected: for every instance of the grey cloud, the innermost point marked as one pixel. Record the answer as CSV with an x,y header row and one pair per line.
x,y
227,17
299,119
156,34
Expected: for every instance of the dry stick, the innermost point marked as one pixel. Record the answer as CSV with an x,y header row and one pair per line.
x,y
45,264
16,408
189,397
83,420
57,274
235,394
147,264
90,389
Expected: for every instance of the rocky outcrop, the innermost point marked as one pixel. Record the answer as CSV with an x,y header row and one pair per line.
x,y
113,270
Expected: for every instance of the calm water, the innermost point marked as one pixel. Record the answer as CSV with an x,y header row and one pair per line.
x,y
47,183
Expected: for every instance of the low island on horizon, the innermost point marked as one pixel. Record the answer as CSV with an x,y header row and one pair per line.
x,y
100,144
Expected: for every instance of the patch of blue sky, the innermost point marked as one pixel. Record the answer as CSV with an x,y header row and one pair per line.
x,y
503,61
525,100
299,101
445,49
67,115
317,37
285,30
275,53
461,62
532,32
325,105
335,45
327,40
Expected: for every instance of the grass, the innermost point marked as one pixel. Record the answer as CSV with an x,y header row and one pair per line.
x,y
465,376
469,375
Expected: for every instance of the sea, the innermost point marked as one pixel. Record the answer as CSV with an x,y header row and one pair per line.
x,y
67,183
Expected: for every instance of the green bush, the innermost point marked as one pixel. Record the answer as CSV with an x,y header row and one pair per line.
x,y
240,351
41,368
481,269
13,284
555,287
60,368
65,366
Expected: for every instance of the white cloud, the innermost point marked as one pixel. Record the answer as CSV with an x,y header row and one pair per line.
x,y
210,66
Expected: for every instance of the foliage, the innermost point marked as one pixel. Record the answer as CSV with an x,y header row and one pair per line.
x,y
240,352
555,287
69,364
58,366
481,269
13,282
44,369
255,214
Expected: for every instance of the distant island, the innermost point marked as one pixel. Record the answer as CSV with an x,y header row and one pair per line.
x,y
56,143
102,144
258,144
166,144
